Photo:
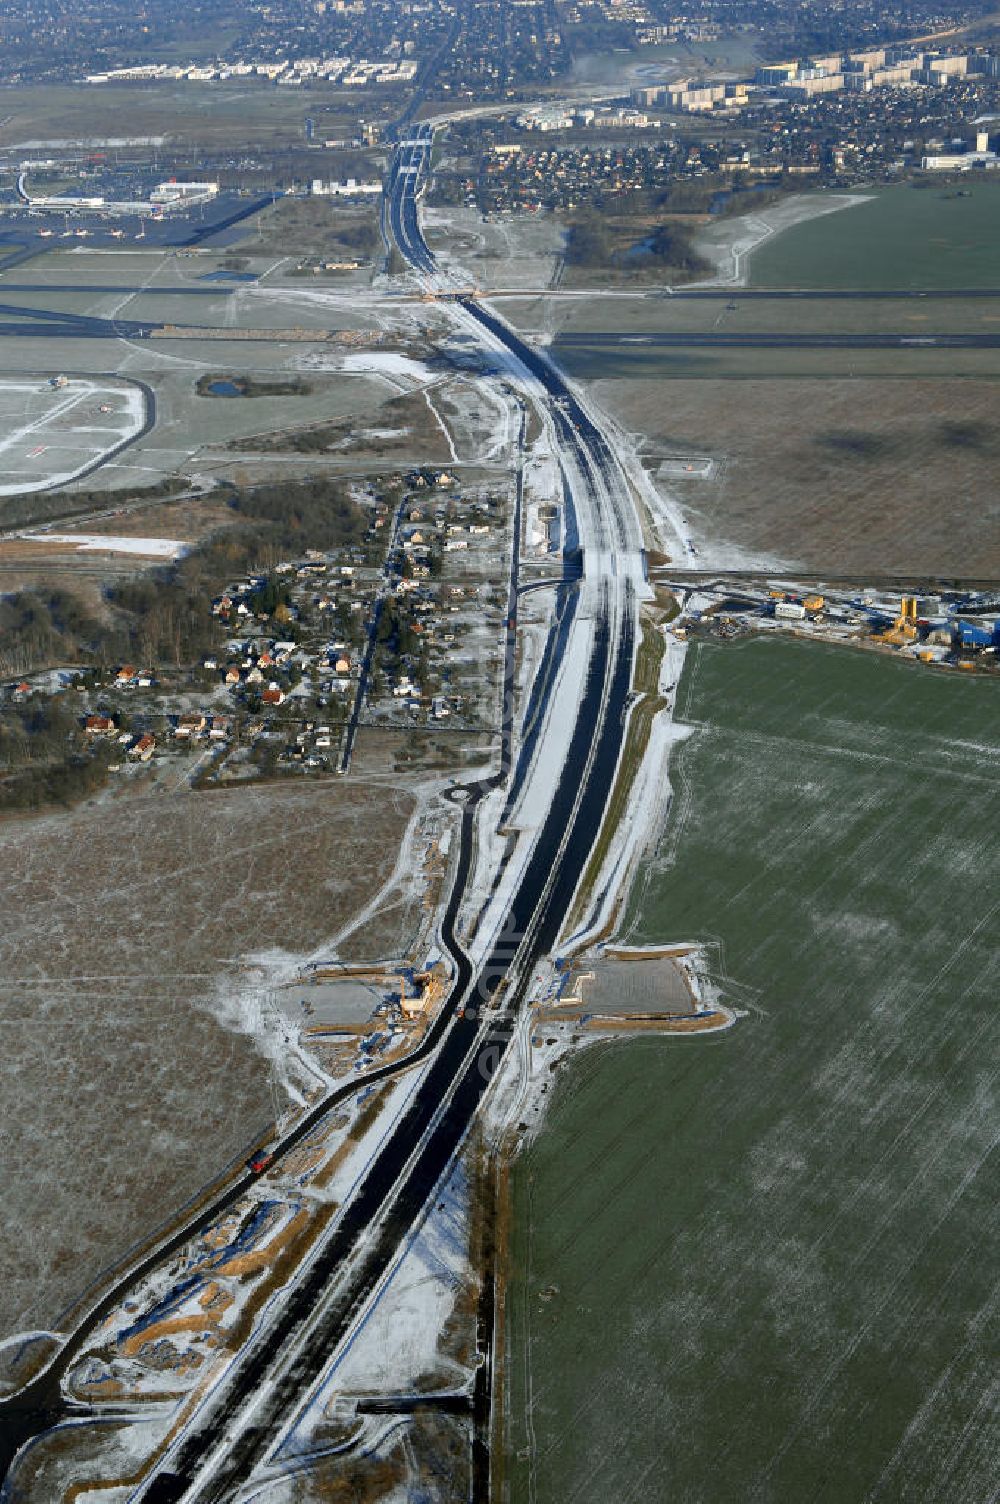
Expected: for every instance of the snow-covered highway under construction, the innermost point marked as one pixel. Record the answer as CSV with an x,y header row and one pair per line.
x,y
527,835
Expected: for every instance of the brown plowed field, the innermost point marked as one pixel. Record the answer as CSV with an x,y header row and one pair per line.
x,y
121,1093
851,476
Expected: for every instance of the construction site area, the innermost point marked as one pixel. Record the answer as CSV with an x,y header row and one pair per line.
x,y
956,630
627,990
351,1016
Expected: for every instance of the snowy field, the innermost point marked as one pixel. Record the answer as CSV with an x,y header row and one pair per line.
x,y
51,434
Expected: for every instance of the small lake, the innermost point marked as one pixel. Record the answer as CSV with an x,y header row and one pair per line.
x,y
224,389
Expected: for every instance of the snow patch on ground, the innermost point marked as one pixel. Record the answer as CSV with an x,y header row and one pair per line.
x,y
389,365
396,1343
541,473
127,1444
21,1338
715,553
110,543
248,1006
648,806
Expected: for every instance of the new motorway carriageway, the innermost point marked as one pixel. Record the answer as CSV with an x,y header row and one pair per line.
x,y
240,1426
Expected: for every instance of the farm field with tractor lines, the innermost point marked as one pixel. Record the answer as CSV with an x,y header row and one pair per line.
x,y
757,1266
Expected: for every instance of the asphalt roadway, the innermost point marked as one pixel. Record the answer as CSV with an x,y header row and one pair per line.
x,y
407,172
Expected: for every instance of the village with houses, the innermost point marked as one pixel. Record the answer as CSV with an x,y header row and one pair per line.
x,y
403,633
398,632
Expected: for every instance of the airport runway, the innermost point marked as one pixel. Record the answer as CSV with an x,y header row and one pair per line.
x,y
837,294
582,339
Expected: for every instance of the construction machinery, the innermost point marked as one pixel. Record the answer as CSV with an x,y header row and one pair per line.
x,y
904,628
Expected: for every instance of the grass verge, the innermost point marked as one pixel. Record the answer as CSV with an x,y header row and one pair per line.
x,y
645,679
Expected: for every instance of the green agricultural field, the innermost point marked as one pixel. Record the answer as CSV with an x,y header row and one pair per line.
x,y
762,1266
902,237
608,319
601,360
